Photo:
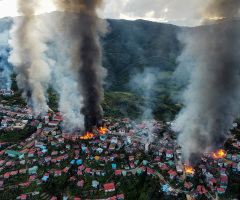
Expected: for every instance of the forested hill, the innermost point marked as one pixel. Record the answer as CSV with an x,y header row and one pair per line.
x,y
132,46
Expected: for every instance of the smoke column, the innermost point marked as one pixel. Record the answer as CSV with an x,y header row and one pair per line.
x,y
212,96
27,57
5,70
143,83
85,55
63,81
5,67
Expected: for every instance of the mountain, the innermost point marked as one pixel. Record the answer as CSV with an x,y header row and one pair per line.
x,y
132,46
129,49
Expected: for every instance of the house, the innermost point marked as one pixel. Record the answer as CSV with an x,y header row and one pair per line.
x,y
32,178
112,146
80,183
118,173
157,159
132,165
149,171
120,196
57,118
79,173
109,187
169,154
172,174
224,181
165,168
234,166
188,185
25,184
212,184
221,190
222,170
95,184
6,175
53,123
82,167
33,170
57,173
23,197
14,154
8,93
87,170
45,177
171,163
4,123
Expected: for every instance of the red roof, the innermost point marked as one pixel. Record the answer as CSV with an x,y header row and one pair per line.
x,y
119,172
164,167
53,122
80,182
204,189
234,165
109,186
120,195
221,190
213,180
169,151
57,118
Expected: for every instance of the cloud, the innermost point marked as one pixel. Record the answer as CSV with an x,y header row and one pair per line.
x,y
173,11
184,12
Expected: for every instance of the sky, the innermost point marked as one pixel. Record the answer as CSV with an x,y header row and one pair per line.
x,y
169,11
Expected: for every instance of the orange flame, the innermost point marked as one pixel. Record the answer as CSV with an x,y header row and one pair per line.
x,y
219,154
28,111
87,137
189,170
103,130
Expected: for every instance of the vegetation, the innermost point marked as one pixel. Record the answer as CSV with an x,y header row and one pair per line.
x,y
16,135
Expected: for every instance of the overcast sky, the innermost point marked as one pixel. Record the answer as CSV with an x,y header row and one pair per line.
x,y
180,12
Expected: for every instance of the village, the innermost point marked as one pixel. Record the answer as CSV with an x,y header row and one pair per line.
x,y
46,160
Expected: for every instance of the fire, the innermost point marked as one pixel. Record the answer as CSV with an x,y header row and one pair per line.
x,y
29,111
219,154
87,137
189,170
103,130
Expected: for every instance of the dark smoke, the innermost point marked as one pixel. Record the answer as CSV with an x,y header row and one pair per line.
x,y
213,94
85,54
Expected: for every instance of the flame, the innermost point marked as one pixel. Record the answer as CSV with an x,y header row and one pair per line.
x,y
219,154
103,130
189,170
87,137
29,111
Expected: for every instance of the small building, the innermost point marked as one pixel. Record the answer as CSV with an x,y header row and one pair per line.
x,y
109,187
14,154
95,184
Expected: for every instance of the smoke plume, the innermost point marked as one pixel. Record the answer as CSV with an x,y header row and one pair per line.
x,y
143,83
84,27
27,57
63,81
5,67
212,96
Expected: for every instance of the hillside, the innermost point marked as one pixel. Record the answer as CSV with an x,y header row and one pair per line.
x,y
129,49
